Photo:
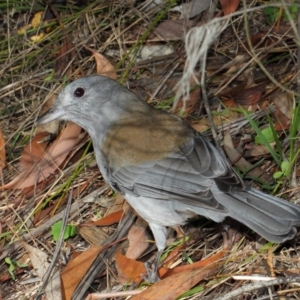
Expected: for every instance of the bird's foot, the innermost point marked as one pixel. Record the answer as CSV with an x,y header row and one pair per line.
x,y
152,275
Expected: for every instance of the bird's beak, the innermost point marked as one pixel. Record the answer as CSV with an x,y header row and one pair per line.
x,y
50,115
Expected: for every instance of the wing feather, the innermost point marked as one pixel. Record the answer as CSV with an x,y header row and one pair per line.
x,y
189,176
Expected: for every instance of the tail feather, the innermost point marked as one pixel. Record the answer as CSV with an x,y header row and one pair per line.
x,y
269,216
276,206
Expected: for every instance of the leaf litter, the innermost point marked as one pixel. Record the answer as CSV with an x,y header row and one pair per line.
x,y
94,42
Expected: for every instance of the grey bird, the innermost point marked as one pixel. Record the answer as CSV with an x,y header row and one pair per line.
x,y
166,170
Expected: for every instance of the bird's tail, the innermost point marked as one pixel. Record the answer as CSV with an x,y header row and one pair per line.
x,y
271,217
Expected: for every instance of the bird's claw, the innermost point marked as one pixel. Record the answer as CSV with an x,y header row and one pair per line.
x,y
152,275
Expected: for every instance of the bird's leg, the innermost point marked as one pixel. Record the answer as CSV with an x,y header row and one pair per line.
x,y
152,269
160,236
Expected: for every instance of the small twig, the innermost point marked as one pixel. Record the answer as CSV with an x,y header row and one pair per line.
x,y
206,105
57,248
257,285
164,81
96,296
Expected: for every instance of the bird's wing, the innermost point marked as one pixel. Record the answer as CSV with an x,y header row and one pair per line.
x,y
190,175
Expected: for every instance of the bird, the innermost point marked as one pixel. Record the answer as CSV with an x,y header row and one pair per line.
x,y
167,171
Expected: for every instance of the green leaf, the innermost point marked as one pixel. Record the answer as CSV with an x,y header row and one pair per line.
x,y
56,229
258,132
284,166
191,292
293,12
272,14
50,76
277,175
267,133
11,267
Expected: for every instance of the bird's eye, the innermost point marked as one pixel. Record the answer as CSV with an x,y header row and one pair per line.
x,y
79,92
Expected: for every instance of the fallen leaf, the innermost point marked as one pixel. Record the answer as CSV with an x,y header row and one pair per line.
x,y
39,260
203,124
281,121
30,157
260,39
108,220
31,191
229,6
150,51
138,239
38,25
183,280
284,103
104,67
76,269
255,150
247,96
237,159
42,214
129,270
117,204
192,8
37,165
174,29
93,235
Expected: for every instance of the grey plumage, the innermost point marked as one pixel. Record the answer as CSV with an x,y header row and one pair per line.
x,y
166,170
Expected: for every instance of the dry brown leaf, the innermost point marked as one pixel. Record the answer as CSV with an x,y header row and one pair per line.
x,y
108,220
236,64
201,264
229,102
281,122
138,239
256,150
117,204
36,164
242,164
76,269
129,270
43,213
182,281
39,260
191,9
284,109
174,29
93,235
247,96
260,39
2,151
30,157
30,191
104,67
229,6
203,124
172,257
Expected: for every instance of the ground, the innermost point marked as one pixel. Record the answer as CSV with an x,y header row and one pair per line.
x,y
248,89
